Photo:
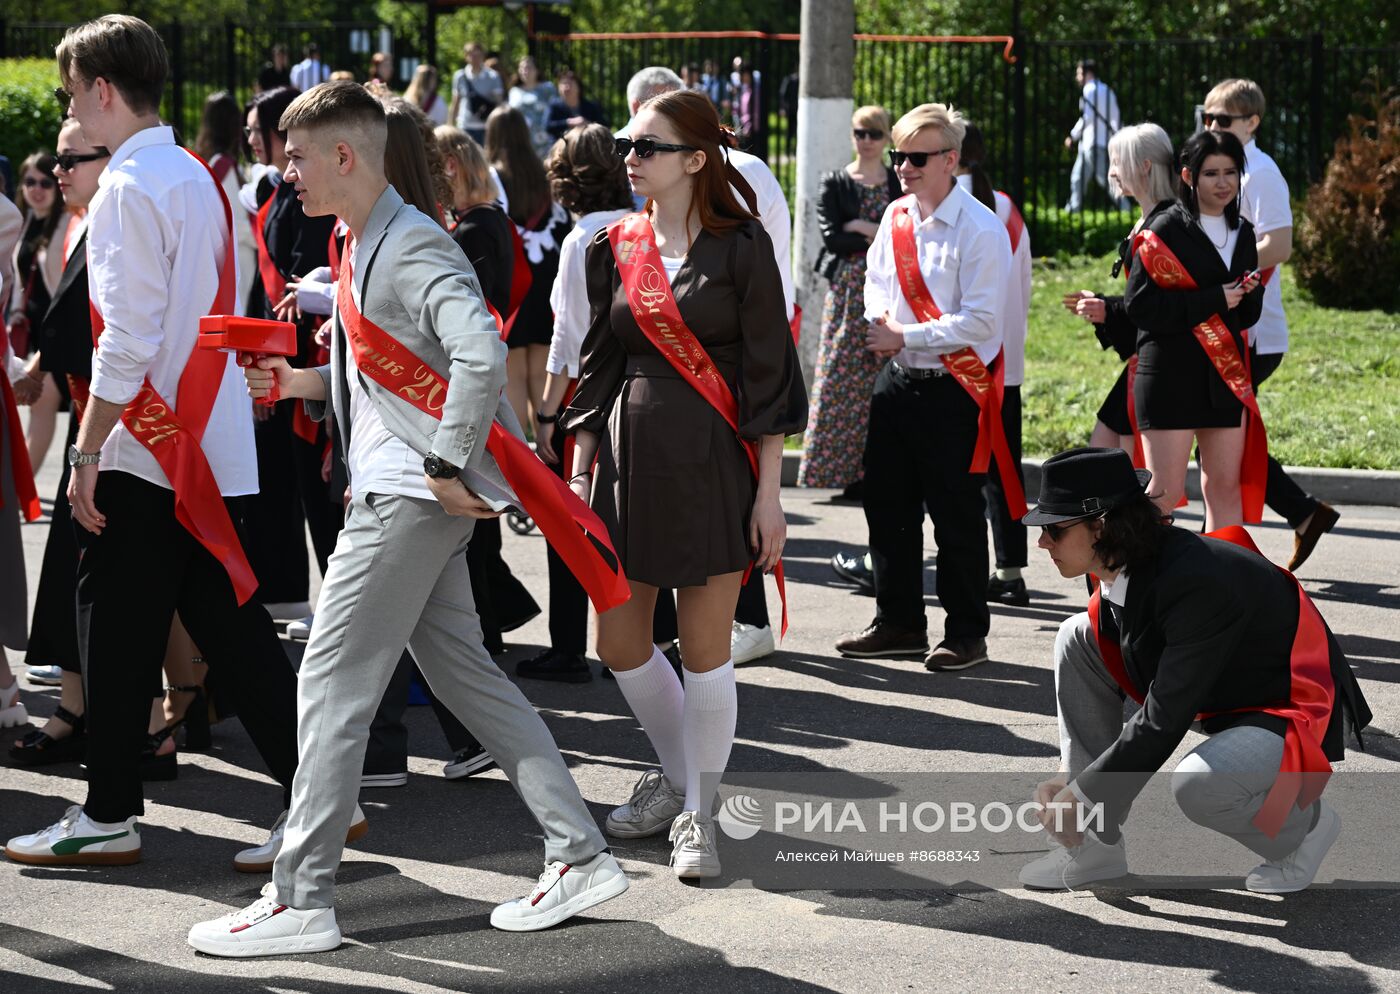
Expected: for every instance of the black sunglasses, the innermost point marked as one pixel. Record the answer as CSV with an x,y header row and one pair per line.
x,y
919,159
867,134
63,97
646,147
1056,531
43,182
68,160
1224,120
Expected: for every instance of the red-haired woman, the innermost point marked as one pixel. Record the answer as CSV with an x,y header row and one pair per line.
x,y
673,479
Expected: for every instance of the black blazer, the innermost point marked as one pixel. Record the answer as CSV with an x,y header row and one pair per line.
x,y
559,113
483,234
840,202
1208,626
297,244
65,333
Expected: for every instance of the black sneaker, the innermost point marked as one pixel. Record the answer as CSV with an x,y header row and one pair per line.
x,y
469,759
853,569
883,639
1011,592
561,667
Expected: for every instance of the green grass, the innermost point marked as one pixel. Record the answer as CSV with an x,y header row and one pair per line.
x,y
1334,402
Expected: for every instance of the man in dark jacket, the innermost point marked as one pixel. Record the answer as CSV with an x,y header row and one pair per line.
x,y
1194,628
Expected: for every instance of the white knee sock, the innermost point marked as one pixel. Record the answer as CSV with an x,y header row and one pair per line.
x,y
711,710
653,692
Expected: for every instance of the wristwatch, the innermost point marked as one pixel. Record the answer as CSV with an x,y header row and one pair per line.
x,y
546,419
77,457
439,468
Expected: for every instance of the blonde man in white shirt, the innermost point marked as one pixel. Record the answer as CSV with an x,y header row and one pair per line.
x,y
923,423
158,237
1237,106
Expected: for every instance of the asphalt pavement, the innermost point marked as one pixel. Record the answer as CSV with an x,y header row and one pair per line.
x,y
414,896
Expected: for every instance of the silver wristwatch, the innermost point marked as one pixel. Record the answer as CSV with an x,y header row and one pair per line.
x,y
77,457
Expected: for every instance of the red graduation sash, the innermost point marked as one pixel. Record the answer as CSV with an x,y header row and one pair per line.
x,y
274,283
15,443
174,440
1307,710
520,280
984,386
1015,224
566,521
1167,272
654,307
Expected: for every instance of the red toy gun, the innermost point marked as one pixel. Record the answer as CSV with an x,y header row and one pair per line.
x,y
255,337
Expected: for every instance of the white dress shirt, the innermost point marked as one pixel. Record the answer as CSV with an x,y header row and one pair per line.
x,y
11,226
569,295
1264,204
1098,116
964,256
156,243
1016,307
379,461
308,73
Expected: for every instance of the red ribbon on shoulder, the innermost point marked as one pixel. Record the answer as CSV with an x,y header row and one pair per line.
x,y
565,521
274,283
654,307
175,441
1229,361
983,385
1308,709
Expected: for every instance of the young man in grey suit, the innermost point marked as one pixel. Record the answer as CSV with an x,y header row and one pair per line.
x,y
398,575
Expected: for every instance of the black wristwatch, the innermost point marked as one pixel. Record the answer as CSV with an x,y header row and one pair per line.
x,y
439,468
546,419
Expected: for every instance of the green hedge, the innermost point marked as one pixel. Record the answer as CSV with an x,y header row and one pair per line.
x,y
29,114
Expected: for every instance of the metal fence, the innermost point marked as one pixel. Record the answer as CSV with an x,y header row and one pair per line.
x,y
1022,94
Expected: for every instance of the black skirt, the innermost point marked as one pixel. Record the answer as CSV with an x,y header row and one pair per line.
x,y
1113,413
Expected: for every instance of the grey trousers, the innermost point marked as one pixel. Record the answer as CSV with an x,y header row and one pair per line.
x,y
398,577
1221,784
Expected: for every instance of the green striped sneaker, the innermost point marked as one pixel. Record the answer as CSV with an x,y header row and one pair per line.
x,y
77,840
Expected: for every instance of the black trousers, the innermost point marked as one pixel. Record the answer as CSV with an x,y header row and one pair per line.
x,y
568,602
918,447
1008,534
131,580
274,518
387,751
324,516
1281,492
53,628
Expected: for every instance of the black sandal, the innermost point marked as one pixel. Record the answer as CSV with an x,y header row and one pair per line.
x,y
195,720
38,748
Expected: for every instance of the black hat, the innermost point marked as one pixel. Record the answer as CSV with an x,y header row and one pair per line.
x,y
1085,481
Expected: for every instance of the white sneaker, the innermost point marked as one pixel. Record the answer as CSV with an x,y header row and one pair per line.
x,y
267,928
287,610
383,779
77,840
470,759
47,676
1083,864
694,854
259,859
1297,870
654,804
12,711
562,891
750,642
300,631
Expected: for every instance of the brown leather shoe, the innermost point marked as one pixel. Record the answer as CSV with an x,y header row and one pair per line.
x,y
956,654
883,639
1305,541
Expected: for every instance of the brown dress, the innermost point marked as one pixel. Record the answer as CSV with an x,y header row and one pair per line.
x,y
672,482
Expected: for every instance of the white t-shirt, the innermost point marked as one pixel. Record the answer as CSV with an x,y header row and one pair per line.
x,y
379,461
1264,204
569,295
1222,236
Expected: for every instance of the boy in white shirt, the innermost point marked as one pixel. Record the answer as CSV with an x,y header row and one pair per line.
x,y
1237,106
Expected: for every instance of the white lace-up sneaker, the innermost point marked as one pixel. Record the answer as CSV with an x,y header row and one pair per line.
x,y
77,840
654,804
12,710
1086,863
259,859
694,854
300,631
748,643
267,928
1296,870
562,891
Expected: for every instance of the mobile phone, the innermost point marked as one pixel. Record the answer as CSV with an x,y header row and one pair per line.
x,y
1251,275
